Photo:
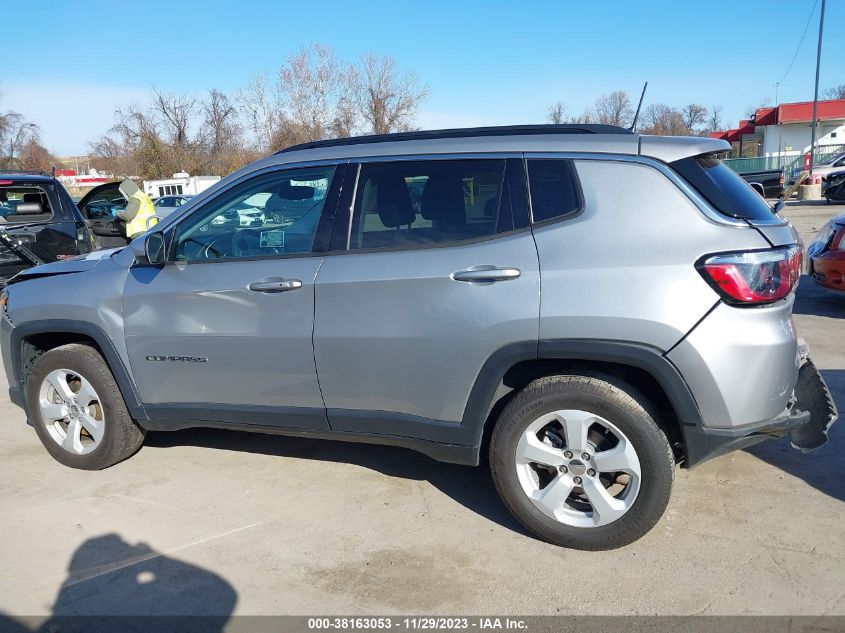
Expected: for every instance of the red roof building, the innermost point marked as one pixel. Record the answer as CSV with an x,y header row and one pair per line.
x,y
786,128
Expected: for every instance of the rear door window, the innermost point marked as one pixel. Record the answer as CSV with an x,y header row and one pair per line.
x,y
723,188
417,203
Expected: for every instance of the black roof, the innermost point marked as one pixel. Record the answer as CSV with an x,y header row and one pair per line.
x,y
23,175
470,132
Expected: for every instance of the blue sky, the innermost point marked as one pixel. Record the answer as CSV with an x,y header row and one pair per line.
x,y
484,62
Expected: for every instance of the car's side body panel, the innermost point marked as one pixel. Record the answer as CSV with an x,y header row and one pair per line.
x,y
394,332
197,336
628,249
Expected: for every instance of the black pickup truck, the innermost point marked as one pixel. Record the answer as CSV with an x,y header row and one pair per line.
x,y
768,184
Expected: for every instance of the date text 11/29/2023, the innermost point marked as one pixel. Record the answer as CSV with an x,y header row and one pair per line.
x,y
417,623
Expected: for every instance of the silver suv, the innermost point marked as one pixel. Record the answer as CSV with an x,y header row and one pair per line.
x,y
587,306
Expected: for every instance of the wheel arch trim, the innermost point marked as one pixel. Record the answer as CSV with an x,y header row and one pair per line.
x,y
643,357
68,326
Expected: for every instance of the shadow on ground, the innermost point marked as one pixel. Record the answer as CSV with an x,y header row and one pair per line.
x,y
113,585
471,487
814,300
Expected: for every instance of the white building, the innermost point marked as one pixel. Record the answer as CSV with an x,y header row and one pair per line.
x,y
181,184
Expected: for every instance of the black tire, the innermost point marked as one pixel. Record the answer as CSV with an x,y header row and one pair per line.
x,y
121,436
618,403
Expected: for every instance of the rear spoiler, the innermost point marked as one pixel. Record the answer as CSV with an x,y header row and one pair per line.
x,y
671,148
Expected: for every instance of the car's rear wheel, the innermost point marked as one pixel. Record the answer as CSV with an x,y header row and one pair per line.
x,y
581,462
77,409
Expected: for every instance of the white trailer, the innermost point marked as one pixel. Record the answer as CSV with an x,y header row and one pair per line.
x,y
181,184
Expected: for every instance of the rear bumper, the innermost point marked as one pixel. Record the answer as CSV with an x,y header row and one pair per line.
x,y
807,419
741,364
828,269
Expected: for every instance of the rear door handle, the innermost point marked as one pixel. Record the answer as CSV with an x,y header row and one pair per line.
x,y
486,274
276,284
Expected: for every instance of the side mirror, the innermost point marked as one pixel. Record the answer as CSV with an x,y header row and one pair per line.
x,y
149,249
777,207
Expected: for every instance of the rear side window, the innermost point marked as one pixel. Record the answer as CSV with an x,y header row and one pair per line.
x,y
723,188
417,203
554,189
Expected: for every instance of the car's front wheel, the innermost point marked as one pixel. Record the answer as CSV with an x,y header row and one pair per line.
x,y
77,409
581,462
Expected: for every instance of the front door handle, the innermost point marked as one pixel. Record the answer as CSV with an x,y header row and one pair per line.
x,y
275,284
486,274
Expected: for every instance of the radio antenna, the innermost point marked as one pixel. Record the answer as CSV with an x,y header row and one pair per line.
x,y
639,105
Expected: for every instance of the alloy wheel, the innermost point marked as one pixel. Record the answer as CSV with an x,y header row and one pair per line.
x,y
71,411
578,468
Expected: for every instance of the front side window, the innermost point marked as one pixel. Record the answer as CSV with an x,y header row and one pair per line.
x,y
554,189
105,204
269,215
417,203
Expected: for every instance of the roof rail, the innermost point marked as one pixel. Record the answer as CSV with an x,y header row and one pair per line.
x,y
470,132
25,172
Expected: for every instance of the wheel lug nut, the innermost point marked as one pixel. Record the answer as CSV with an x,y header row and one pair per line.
x,y
585,456
591,472
576,480
562,469
567,454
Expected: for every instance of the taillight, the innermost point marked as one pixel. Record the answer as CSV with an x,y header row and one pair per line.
x,y
838,241
753,277
780,180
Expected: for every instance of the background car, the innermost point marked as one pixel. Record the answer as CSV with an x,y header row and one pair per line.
x,y
249,215
38,223
166,205
826,255
834,187
768,183
835,162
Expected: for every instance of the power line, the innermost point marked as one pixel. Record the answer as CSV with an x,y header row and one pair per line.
x,y
795,56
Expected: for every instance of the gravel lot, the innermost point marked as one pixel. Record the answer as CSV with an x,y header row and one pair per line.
x,y
222,522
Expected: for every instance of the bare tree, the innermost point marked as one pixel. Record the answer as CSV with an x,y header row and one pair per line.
x,y
837,92
585,117
614,109
110,154
714,123
33,155
221,135
15,134
311,84
220,128
174,113
660,119
260,106
385,99
557,113
694,115
133,124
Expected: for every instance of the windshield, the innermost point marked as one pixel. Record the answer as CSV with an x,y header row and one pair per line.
x,y
723,188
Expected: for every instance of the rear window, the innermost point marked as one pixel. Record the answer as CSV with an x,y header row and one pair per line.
x,y
24,204
723,188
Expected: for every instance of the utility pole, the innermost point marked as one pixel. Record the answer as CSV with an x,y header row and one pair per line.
x,y
816,94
